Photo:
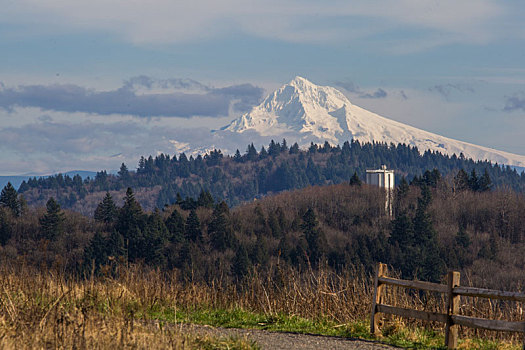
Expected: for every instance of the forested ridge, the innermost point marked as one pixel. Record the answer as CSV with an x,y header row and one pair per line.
x,y
438,224
164,180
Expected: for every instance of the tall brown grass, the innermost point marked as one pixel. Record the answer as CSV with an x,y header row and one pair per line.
x,y
49,309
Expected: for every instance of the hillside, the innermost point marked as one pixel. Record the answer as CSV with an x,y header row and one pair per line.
x,y
436,227
256,173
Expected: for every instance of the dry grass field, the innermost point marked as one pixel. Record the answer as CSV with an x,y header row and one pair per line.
x,y
133,307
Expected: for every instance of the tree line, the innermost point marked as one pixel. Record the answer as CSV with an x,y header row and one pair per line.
x,y
253,174
439,223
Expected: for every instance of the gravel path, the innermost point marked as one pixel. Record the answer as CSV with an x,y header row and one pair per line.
x,y
286,341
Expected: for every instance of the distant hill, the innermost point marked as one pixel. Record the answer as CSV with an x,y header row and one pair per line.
x,y
16,180
164,180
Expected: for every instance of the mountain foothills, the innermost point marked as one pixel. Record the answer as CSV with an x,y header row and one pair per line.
x,y
304,112
166,180
438,225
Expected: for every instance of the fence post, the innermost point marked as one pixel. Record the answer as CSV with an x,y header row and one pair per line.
x,y
381,270
451,330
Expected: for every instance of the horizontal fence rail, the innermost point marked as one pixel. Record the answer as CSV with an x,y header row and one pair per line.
x,y
451,318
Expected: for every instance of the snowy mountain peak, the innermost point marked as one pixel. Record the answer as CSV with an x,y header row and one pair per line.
x,y
304,112
299,106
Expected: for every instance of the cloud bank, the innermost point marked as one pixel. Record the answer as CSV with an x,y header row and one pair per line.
x,y
163,21
140,96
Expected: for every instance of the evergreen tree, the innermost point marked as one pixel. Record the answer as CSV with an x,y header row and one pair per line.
x,y
116,246
473,181
294,149
355,180
175,225
485,182
106,210
263,154
9,199
5,227
284,146
403,188
130,225
193,227
241,262
251,153
314,237
220,228
405,255
155,238
402,232
237,157
425,236
96,252
205,199
123,173
51,224
274,149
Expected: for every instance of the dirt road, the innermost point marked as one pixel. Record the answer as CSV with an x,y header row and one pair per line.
x,y
287,341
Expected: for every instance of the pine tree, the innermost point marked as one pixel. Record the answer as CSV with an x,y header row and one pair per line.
x,y
403,188
241,262
314,237
106,210
425,240
5,227
473,181
175,225
402,232
193,227
355,180
123,173
96,251
263,154
237,157
155,238
274,149
51,223
130,214
284,146
116,246
294,149
485,182
251,153
205,199
9,199
130,224
220,228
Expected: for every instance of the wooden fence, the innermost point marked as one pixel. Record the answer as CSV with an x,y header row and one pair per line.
x,y
451,318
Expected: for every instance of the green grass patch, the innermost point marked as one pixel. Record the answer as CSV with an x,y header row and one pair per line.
x,y
240,318
393,333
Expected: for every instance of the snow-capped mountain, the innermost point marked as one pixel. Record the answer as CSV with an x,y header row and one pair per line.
x,y
304,112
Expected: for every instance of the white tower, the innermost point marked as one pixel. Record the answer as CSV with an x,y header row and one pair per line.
x,y
383,178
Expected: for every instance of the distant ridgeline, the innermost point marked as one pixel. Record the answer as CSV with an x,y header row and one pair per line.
x,y
278,167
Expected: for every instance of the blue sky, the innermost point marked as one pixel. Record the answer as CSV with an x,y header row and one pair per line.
x,y
91,84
